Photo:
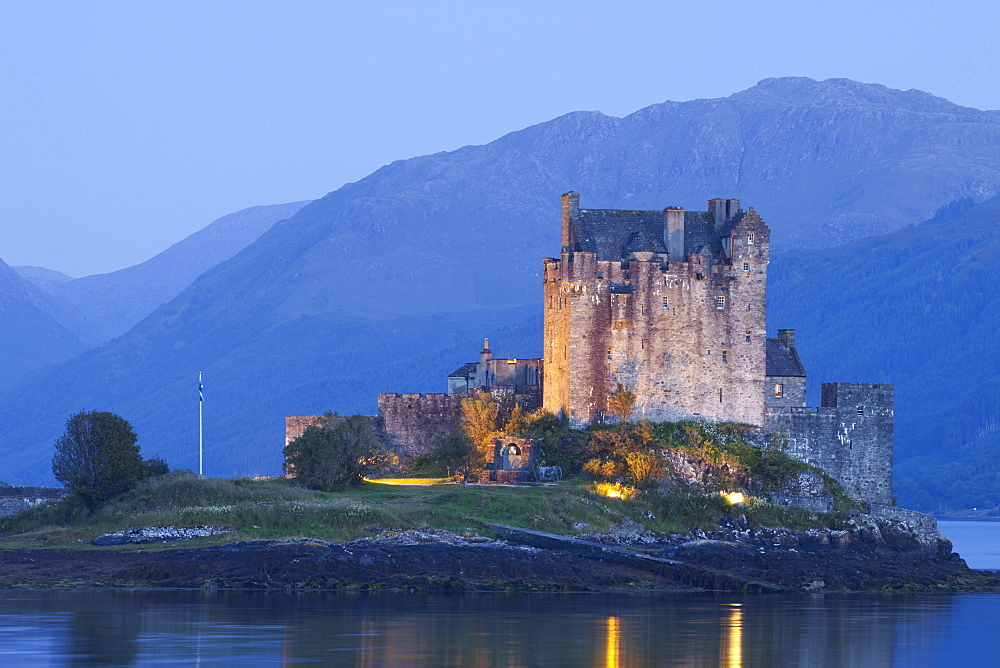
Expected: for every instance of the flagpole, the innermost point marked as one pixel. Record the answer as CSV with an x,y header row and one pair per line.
x,y
201,401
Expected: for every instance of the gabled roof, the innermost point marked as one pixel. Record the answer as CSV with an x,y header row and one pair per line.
x,y
782,360
465,371
613,233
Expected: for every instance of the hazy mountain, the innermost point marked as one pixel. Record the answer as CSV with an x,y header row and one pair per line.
x,y
110,304
39,275
30,337
387,284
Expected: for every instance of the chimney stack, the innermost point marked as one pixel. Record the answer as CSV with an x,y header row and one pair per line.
x,y
787,337
570,213
673,233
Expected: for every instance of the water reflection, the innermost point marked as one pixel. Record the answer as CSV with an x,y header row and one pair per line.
x,y
133,628
733,651
614,635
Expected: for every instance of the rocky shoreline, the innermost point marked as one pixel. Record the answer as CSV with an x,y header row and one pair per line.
x,y
875,555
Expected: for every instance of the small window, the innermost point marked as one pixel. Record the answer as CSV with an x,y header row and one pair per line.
x,y
861,411
720,302
779,390
746,266
750,239
748,336
666,304
609,353
600,274
725,357
720,395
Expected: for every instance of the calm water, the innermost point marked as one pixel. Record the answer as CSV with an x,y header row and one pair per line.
x,y
199,628
977,542
195,628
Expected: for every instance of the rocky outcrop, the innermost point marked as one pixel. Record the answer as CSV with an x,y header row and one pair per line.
x,y
157,535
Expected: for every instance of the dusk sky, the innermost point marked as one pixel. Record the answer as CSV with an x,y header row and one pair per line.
x,y
126,126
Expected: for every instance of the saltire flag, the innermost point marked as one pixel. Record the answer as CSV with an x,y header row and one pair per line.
x,y
201,392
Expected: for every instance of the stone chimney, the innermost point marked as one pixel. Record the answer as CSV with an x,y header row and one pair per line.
x,y
787,337
485,355
723,210
570,214
673,233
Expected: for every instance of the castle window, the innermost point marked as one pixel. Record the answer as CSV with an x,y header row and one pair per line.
x,y
748,336
720,302
720,395
750,239
666,304
746,266
642,309
779,390
609,353
725,357
600,274
861,411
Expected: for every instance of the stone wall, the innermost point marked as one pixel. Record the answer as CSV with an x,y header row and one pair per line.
x,y
15,498
793,391
850,436
295,425
413,421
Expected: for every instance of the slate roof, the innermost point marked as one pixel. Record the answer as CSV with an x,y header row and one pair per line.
x,y
612,233
465,371
782,361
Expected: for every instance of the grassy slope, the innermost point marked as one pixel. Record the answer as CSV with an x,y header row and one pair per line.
x,y
278,508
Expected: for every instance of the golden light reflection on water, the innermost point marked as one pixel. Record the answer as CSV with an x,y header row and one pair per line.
x,y
613,639
732,637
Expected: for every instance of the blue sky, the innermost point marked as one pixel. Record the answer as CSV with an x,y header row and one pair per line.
x,y
126,126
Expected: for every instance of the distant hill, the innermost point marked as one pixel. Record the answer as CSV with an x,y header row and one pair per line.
x,y
390,282
41,275
110,304
31,337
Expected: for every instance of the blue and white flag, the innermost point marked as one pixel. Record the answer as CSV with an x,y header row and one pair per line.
x,y
201,391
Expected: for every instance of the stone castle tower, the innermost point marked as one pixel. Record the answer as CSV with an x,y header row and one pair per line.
x,y
671,304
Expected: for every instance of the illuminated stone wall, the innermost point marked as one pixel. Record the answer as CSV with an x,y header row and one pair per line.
x,y
687,336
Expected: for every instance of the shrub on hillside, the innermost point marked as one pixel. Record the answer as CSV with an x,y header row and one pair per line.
x,y
336,454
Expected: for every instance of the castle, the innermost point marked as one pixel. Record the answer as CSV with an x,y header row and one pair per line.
x,y
673,305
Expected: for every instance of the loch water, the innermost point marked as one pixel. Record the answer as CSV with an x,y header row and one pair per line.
x,y
193,628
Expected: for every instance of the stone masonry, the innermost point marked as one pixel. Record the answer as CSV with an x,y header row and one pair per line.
x,y
669,303
849,436
15,498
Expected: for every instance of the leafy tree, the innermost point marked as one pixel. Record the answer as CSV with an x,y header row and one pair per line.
x,y
337,453
154,467
621,402
480,415
97,457
458,452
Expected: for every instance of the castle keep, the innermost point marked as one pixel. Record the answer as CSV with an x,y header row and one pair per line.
x,y
671,304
